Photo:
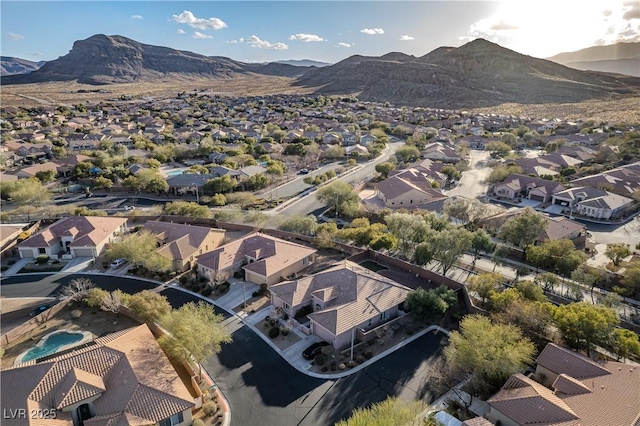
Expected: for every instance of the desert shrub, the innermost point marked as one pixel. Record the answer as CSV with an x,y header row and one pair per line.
x,y
360,359
324,368
56,262
76,313
274,332
183,279
351,364
209,408
341,366
284,331
368,354
207,291
198,422
320,359
42,259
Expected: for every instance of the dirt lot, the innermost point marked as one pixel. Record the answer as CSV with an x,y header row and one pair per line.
x,y
92,320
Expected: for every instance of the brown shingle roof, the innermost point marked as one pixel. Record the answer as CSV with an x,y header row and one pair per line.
x,y
561,360
353,294
87,231
135,382
271,254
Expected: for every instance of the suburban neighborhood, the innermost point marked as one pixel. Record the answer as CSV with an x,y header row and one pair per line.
x,y
156,251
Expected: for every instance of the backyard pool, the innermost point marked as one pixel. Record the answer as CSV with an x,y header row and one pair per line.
x,y
175,173
54,342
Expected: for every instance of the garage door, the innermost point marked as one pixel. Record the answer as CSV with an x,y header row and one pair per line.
x,y
82,252
537,197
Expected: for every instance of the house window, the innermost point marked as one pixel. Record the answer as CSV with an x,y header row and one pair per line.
x,y
42,250
285,306
173,420
410,201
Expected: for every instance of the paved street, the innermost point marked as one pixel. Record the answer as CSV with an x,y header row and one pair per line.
x,y
296,185
472,184
261,387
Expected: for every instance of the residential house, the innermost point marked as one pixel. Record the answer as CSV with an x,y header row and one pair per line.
x,y
593,203
357,150
263,258
569,389
562,228
437,151
181,244
367,139
123,378
331,139
9,234
345,299
218,157
407,188
31,171
515,187
623,180
77,236
188,181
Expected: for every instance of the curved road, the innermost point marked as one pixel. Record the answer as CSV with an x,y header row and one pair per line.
x,y
261,387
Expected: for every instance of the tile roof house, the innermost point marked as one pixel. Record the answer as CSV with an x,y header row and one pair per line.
x,y
517,186
77,236
264,259
407,188
120,379
559,228
594,203
438,151
570,390
623,180
343,298
181,244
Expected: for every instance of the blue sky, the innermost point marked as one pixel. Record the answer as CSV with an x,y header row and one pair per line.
x,y
326,31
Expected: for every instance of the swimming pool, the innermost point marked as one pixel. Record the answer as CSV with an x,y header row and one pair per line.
x,y
54,342
175,173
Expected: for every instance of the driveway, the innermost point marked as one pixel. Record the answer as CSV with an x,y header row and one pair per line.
x,y
261,387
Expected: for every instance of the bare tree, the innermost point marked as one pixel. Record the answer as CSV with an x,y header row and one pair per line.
x,y
112,302
77,289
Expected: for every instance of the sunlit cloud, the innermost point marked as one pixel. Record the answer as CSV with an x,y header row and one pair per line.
x,y
198,34
372,31
344,44
406,38
255,41
136,17
15,36
188,18
181,31
306,38
578,24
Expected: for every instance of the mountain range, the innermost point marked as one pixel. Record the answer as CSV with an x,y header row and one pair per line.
x,y
621,58
479,73
13,66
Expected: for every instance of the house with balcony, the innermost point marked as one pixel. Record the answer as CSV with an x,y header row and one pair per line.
x,y
75,236
347,299
263,259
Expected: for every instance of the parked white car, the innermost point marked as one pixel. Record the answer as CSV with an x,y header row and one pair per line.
x,y
118,263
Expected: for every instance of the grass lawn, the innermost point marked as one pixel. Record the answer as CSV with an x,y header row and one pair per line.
x,y
373,266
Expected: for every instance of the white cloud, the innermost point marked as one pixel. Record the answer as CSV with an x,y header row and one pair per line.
x,y
406,38
14,36
181,31
255,41
344,44
188,18
372,31
198,34
576,24
136,17
306,38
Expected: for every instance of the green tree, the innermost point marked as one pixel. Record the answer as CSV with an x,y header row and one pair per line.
x,y
243,199
140,249
582,276
255,182
426,303
407,153
27,192
510,139
617,252
391,411
220,185
299,224
498,148
410,230
451,172
625,342
530,291
187,208
218,200
547,281
489,352
385,241
194,330
523,229
556,255
583,325
464,210
149,306
95,297
482,241
500,173
631,277
102,183
486,284
450,245
46,176
339,195
385,168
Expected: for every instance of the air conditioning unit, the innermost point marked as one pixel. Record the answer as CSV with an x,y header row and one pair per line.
x,y
67,256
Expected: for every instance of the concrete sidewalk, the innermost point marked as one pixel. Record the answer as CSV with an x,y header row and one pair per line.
x,y
15,268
